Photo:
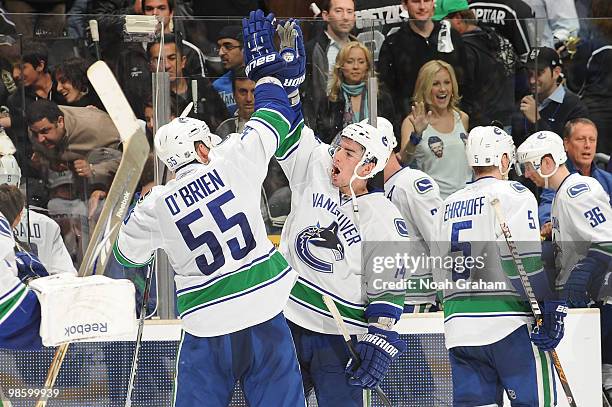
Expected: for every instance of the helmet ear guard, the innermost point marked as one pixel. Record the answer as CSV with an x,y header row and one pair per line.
x,y
175,142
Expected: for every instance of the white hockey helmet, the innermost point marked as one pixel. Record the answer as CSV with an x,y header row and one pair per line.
x,y
10,173
537,146
174,142
385,128
486,145
376,144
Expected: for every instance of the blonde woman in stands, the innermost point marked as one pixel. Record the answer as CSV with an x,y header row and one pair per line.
x,y
433,135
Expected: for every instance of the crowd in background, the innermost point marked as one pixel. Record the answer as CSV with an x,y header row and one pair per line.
x,y
442,70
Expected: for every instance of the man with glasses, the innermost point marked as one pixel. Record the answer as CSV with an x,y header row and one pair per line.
x,y
229,42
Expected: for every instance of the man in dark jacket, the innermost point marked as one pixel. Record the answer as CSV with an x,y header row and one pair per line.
x,y
321,52
488,93
511,18
418,41
549,105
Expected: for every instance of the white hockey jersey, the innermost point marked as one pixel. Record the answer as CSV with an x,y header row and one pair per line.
x,y
417,196
45,240
323,242
481,302
582,221
12,291
229,276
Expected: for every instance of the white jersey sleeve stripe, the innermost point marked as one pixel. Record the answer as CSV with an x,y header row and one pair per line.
x,y
5,228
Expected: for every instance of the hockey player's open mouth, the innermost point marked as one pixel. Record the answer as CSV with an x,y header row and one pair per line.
x,y
335,171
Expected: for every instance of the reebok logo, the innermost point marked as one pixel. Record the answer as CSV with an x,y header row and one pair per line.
x,y
85,328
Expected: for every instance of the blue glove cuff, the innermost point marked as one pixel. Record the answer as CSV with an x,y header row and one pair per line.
x,y
415,138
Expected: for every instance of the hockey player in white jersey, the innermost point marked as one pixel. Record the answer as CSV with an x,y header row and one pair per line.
x,y
417,196
324,240
581,218
333,221
19,307
485,313
36,231
232,284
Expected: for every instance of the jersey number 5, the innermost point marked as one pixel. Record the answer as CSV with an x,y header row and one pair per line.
x,y
460,271
208,238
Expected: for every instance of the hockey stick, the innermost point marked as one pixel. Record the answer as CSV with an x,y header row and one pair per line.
x,y
135,153
141,320
331,306
95,37
535,307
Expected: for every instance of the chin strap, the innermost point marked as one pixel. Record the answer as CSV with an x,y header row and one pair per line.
x,y
354,197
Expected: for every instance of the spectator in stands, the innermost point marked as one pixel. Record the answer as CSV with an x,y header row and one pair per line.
x,y
556,21
348,93
208,105
488,93
229,42
592,74
164,10
73,84
435,132
244,95
35,18
65,137
512,19
321,53
33,70
550,105
419,40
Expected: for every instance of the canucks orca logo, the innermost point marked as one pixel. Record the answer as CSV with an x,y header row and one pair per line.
x,y
423,185
577,189
400,226
326,238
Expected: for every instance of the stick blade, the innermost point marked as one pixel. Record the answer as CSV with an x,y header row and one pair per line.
x,y
135,153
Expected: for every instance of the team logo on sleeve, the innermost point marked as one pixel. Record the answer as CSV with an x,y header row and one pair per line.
x,y
578,189
315,245
518,187
400,226
5,228
423,185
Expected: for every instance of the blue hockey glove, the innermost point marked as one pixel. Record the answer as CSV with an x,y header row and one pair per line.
x,y
377,349
547,336
575,289
29,267
260,56
294,54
